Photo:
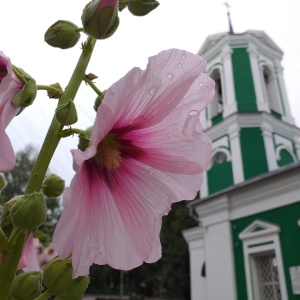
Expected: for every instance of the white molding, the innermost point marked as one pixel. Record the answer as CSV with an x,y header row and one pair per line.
x,y
259,242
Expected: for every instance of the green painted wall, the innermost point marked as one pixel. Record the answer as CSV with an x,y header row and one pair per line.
x,y
219,177
243,81
285,158
253,152
287,219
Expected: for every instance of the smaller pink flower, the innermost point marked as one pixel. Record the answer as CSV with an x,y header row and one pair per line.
x,y
28,261
107,3
10,85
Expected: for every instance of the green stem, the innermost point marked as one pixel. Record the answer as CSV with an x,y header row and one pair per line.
x,y
9,264
46,88
53,137
93,86
10,260
70,131
44,296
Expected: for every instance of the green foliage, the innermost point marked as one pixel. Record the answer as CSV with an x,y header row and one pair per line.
x,y
16,182
168,278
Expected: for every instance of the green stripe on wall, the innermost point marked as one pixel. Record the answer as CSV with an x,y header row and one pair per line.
x,y
253,152
243,81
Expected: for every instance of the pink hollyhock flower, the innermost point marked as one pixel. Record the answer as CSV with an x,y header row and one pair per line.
x,y
10,85
147,151
28,261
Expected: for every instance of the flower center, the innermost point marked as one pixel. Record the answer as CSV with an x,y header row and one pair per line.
x,y
108,153
3,70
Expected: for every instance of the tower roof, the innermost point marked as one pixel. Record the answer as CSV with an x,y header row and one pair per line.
x,y
215,42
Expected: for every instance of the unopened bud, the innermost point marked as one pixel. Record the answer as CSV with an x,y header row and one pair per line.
x,y
26,286
57,277
29,212
62,34
5,221
84,139
100,18
57,93
98,101
27,94
141,7
53,186
66,113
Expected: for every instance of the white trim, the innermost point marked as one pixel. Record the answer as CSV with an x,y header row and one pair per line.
x,y
259,242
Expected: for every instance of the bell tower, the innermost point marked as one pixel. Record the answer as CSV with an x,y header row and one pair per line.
x,y
249,120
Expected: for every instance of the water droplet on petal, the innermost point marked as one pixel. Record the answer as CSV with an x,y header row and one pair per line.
x,y
170,75
166,137
193,113
155,132
151,172
152,90
190,63
179,65
200,83
183,55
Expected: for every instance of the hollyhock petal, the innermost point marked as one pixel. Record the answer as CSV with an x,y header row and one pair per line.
x,y
28,261
10,85
168,75
147,151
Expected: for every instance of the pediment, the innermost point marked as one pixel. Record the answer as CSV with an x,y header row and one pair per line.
x,y
258,228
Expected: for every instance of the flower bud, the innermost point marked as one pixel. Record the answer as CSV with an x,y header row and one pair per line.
x,y
2,183
84,139
98,101
27,94
29,212
26,286
53,186
57,93
66,113
141,7
5,221
100,18
62,34
57,277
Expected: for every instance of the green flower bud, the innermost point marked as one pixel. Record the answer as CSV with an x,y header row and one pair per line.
x,y
57,277
141,7
2,183
100,18
5,221
27,94
29,212
26,286
98,101
53,186
55,94
77,289
62,34
84,139
66,113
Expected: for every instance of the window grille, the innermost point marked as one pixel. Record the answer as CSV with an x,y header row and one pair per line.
x,y
267,277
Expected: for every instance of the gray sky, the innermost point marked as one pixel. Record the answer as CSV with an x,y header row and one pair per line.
x,y
183,24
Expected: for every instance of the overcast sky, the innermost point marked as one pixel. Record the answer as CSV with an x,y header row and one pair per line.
x,y
183,24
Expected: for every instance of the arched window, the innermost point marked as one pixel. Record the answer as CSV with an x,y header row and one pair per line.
x,y
216,107
271,91
218,158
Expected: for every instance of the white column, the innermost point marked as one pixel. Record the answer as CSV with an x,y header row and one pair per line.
x,y
257,79
229,105
236,154
287,116
269,146
194,238
204,187
297,146
219,257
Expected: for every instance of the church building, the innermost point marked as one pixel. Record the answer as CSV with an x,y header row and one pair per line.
x,y
247,242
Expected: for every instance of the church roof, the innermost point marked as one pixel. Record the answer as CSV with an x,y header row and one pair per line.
x,y
215,42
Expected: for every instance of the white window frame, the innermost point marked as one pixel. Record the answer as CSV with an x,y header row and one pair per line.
x,y
259,242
